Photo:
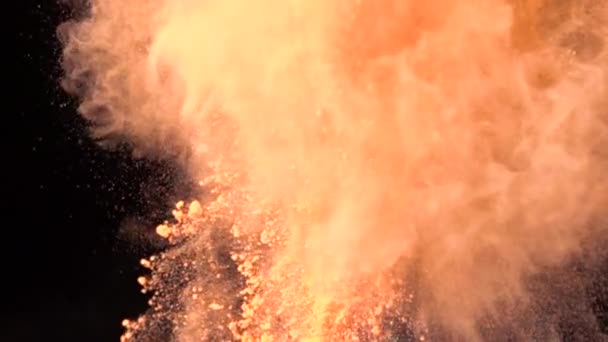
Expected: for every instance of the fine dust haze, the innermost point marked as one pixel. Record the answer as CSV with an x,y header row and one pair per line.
x,y
371,170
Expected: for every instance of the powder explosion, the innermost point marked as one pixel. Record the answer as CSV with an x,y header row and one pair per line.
x,y
370,170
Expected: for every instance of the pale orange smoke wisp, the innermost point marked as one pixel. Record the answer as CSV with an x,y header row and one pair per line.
x,y
457,148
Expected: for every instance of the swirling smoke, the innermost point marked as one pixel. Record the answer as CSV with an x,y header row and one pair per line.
x,y
369,169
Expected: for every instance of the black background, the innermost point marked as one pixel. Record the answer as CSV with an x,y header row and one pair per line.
x,y
77,218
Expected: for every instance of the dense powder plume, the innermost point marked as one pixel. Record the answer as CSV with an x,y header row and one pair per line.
x,y
371,170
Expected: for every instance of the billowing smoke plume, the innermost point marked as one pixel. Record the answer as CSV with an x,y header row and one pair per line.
x,y
375,163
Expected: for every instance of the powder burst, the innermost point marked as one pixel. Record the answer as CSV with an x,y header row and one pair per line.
x,y
370,170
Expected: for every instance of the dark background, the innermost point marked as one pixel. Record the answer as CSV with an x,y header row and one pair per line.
x,y
76,218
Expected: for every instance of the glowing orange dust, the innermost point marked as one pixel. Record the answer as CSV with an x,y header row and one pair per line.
x,y
371,170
